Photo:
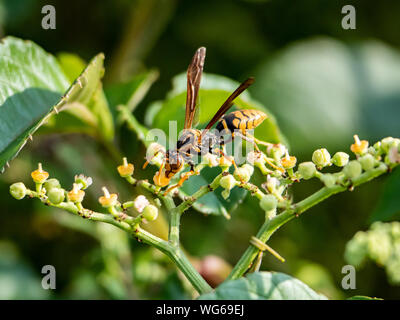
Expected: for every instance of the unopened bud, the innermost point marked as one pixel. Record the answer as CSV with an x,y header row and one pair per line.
x,y
227,182
268,202
18,190
321,158
150,212
340,159
56,195
51,183
328,179
307,170
367,162
353,169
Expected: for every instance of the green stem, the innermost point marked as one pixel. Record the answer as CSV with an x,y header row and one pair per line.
x,y
270,226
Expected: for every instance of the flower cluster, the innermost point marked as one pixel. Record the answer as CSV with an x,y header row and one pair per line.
x,y
50,192
381,244
280,170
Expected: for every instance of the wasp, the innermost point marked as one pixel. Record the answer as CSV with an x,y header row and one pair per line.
x,y
194,142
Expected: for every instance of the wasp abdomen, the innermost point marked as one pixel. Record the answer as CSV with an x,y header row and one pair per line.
x,y
241,120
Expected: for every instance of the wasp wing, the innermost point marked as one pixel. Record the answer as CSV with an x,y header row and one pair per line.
x,y
194,72
229,102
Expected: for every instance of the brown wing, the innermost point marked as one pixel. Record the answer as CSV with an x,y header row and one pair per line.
x,y
194,73
229,102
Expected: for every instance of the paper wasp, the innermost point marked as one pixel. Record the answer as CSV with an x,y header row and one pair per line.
x,y
193,142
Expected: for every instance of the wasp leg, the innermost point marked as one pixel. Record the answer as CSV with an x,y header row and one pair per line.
x,y
226,157
183,178
257,141
155,155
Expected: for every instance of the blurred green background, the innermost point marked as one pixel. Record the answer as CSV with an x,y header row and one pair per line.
x,y
322,83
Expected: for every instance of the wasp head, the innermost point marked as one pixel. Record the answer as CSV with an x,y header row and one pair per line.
x,y
173,163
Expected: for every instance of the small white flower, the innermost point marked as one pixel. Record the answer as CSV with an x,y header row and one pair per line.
x,y
253,157
210,160
272,183
140,203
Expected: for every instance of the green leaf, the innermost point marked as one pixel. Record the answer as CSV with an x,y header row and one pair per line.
x,y
31,84
31,87
132,92
388,207
263,286
92,115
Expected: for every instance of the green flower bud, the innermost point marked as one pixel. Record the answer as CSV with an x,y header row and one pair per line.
x,y
340,159
150,212
307,170
352,169
51,183
367,162
268,202
321,158
242,174
329,180
18,190
56,195
227,182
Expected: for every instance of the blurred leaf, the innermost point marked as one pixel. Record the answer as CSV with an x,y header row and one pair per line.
x,y
263,286
323,92
388,207
132,92
17,280
31,84
92,114
318,277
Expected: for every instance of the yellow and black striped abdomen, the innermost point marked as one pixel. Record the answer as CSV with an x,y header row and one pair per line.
x,y
241,120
